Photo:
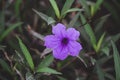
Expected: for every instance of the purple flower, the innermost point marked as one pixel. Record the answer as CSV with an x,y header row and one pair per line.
x,y
63,42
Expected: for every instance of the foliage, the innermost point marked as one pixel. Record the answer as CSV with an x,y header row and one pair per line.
x,y
24,23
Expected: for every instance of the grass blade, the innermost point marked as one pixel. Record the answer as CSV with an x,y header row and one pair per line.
x,y
2,21
71,10
17,7
96,6
29,76
48,70
100,72
55,7
74,20
11,27
5,66
100,42
26,54
101,22
48,19
46,62
89,31
114,12
66,6
116,60
85,6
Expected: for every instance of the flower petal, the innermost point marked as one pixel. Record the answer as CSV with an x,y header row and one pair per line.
x,y
60,53
51,41
73,34
59,30
74,48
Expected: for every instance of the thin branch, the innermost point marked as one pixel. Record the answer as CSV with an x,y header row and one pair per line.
x,y
18,72
8,58
35,34
82,61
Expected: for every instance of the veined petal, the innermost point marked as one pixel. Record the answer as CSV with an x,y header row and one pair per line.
x,y
59,30
60,53
51,41
74,48
73,34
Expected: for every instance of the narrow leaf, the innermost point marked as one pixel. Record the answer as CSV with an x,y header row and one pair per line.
x,y
5,66
11,27
116,37
101,22
61,78
113,11
48,19
66,6
116,60
109,76
100,42
46,62
84,35
2,21
100,72
29,76
96,6
55,7
89,31
85,6
74,20
17,6
26,54
106,50
48,70
72,10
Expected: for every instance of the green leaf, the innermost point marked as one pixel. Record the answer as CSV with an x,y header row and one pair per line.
x,y
29,76
116,37
101,22
100,42
55,7
66,7
26,53
74,20
96,6
48,19
104,59
100,72
61,78
113,11
46,62
6,32
48,70
5,66
85,6
71,10
17,6
89,31
116,60
109,76
2,21
84,35
106,50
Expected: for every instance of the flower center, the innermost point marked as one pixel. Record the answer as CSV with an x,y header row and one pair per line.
x,y
65,41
